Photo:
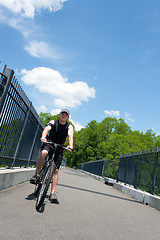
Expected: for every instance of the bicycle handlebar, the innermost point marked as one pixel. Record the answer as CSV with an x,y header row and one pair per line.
x,y
58,145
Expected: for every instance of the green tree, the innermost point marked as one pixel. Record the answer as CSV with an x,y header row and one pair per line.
x,y
47,117
108,139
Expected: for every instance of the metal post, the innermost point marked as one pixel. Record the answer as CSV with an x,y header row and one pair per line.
x,y
8,74
22,132
103,167
139,162
118,169
154,173
125,172
33,144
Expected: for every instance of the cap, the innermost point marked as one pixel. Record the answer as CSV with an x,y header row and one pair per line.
x,y
65,111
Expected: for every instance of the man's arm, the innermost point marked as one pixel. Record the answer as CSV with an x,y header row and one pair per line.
x,y
46,131
70,136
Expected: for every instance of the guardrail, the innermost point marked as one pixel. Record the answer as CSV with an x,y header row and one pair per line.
x,y
102,167
20,125
140,169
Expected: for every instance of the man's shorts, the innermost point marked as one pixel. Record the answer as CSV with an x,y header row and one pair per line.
x,y
58,155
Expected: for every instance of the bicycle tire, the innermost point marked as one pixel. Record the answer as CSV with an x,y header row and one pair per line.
x,y
39,184
36,189
45,185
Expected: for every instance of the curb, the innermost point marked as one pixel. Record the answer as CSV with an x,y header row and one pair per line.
x,y
12,177
144,197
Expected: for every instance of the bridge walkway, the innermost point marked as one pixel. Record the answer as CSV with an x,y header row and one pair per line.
x,y
88,210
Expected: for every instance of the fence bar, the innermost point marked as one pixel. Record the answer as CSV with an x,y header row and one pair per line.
x,y
8,73
103,167
139,162
118,169
155,168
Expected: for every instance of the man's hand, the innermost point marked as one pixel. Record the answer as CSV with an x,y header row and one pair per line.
x,y
43,140
70,148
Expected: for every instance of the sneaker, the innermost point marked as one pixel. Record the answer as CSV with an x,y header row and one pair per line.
x,y
53,198
35,179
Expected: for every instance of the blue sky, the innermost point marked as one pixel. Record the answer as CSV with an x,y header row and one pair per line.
x,y
97,58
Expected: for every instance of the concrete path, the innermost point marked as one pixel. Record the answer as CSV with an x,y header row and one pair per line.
x,y
88,210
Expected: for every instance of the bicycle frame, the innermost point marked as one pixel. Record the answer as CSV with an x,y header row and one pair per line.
x,y
46,176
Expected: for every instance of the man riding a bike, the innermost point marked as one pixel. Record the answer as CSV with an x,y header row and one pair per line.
x,y
58,130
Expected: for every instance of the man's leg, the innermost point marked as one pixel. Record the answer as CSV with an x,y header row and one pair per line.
x,y
39,165
53,196
43,154
54,181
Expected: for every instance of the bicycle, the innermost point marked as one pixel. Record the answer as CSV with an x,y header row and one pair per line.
x,y
46,173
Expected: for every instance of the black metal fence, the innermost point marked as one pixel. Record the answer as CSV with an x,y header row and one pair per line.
x,y
103,167
139,169
20,125
95,167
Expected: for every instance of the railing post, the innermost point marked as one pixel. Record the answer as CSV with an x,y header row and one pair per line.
x,y
5,82
33,144
154,173
103,167
125,170
139,162
22,132
118,169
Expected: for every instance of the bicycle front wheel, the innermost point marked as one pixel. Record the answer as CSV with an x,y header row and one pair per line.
x,y
45,185
36,189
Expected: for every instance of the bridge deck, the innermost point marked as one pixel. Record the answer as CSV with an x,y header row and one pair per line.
x,y
88,209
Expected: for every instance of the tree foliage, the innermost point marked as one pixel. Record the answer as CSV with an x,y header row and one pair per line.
x,y
108,139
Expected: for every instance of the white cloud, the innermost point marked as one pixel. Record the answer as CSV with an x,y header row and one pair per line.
x,y
64,93
19,15
42,108
112,113
28,8
77,125
42,49
55,111
19,24
128,117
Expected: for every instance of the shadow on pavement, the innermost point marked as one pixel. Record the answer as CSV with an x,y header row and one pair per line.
x,y
30,197
100,193
33,197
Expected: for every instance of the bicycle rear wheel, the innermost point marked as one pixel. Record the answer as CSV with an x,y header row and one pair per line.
x,y
45,185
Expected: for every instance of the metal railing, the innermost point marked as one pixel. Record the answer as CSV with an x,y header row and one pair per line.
x,y
20,125
102,167
95,167
141,170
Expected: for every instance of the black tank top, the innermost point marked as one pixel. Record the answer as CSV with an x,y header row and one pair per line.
x,y
58,132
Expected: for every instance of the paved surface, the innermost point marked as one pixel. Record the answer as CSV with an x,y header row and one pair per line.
x,y
88,209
